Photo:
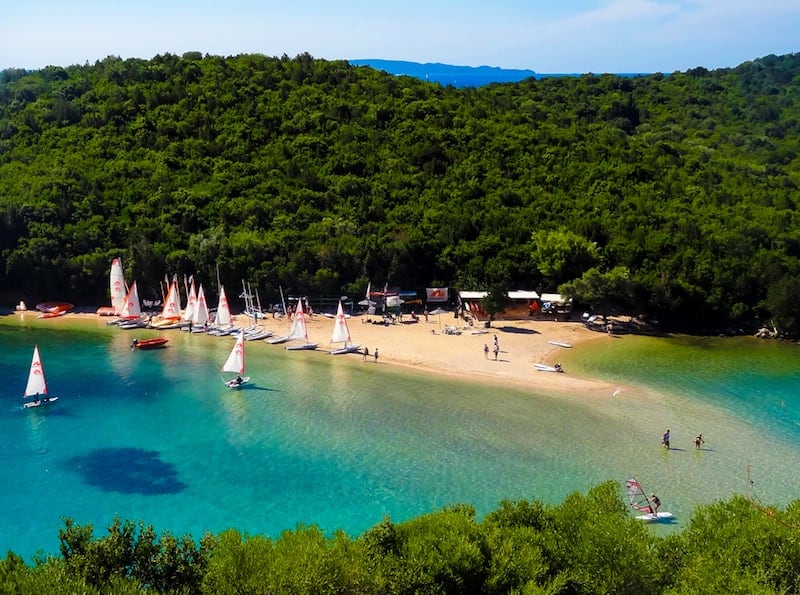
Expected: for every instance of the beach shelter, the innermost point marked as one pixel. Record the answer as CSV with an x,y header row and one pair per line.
x,y
438,312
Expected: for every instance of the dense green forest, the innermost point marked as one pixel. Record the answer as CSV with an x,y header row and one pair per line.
x,y
587,544
671,196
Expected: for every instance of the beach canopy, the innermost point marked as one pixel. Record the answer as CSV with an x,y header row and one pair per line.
x,y
438,313
393,301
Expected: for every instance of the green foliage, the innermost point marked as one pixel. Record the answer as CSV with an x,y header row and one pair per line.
x,y
603,291
299,561
563,255
312,174
495,300
133,552
740,547
586,544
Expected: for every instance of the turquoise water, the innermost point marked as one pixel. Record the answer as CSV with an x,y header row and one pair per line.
x,y
341,444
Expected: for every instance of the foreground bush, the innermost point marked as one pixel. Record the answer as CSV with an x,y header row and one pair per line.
x,y
587,544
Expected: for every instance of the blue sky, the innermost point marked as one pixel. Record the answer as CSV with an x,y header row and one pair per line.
x,y
548,36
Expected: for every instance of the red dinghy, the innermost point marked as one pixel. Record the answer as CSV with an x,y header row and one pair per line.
x,y
146,344
53,309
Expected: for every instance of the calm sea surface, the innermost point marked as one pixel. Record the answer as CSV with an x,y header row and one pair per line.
x,y
335,442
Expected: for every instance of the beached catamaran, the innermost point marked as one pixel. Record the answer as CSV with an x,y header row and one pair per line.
x,y
118,289
171,312
341,334
130,317
298,331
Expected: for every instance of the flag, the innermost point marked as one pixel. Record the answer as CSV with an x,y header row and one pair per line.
x,y
437,294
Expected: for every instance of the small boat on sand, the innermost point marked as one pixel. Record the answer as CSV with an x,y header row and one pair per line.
x,y
560,343
53,309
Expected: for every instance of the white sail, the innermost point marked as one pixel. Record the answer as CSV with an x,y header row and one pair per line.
x,y
117,285
298,330
191,302
201,315
341,334
131,308
172,305
223,317
36,382
235,361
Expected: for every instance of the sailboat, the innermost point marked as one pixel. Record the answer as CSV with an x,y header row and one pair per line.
x,y
118,289
200,317
639,501
341,334
131,312
36,393
235,363
298,331
171,312
223,321
191,305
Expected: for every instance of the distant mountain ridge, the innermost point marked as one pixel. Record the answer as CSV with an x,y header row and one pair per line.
x,y
465,76
448,74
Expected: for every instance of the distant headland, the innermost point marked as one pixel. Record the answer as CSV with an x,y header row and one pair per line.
x,y
448,74
460,76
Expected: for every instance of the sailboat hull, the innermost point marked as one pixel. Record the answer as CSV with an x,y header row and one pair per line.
x,y
301,347
348,349
39,402
237,383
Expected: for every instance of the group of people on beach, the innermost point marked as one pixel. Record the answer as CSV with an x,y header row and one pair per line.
x,y
698,440
495,348
365,353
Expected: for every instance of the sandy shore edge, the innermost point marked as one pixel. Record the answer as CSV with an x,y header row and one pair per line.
x,y
426,347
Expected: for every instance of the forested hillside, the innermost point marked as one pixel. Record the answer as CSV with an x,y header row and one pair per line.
x,y
672,195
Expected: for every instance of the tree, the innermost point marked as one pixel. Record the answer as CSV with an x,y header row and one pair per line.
x,y
495,300
562,255
604,292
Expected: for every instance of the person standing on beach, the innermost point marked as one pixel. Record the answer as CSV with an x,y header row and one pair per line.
x,y
376,355
496,351
366,353
486,350
665,440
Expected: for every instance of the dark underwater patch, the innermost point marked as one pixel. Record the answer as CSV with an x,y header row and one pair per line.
x,y
128,471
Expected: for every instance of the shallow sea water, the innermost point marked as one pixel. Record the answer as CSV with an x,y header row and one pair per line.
x,y
332,441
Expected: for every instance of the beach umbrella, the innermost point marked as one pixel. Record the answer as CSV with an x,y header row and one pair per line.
x,y
394,301
438,312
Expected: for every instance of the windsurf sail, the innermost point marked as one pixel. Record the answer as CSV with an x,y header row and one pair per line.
x,y
637,497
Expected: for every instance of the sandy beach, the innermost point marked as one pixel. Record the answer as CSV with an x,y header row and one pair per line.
x,y
424,345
